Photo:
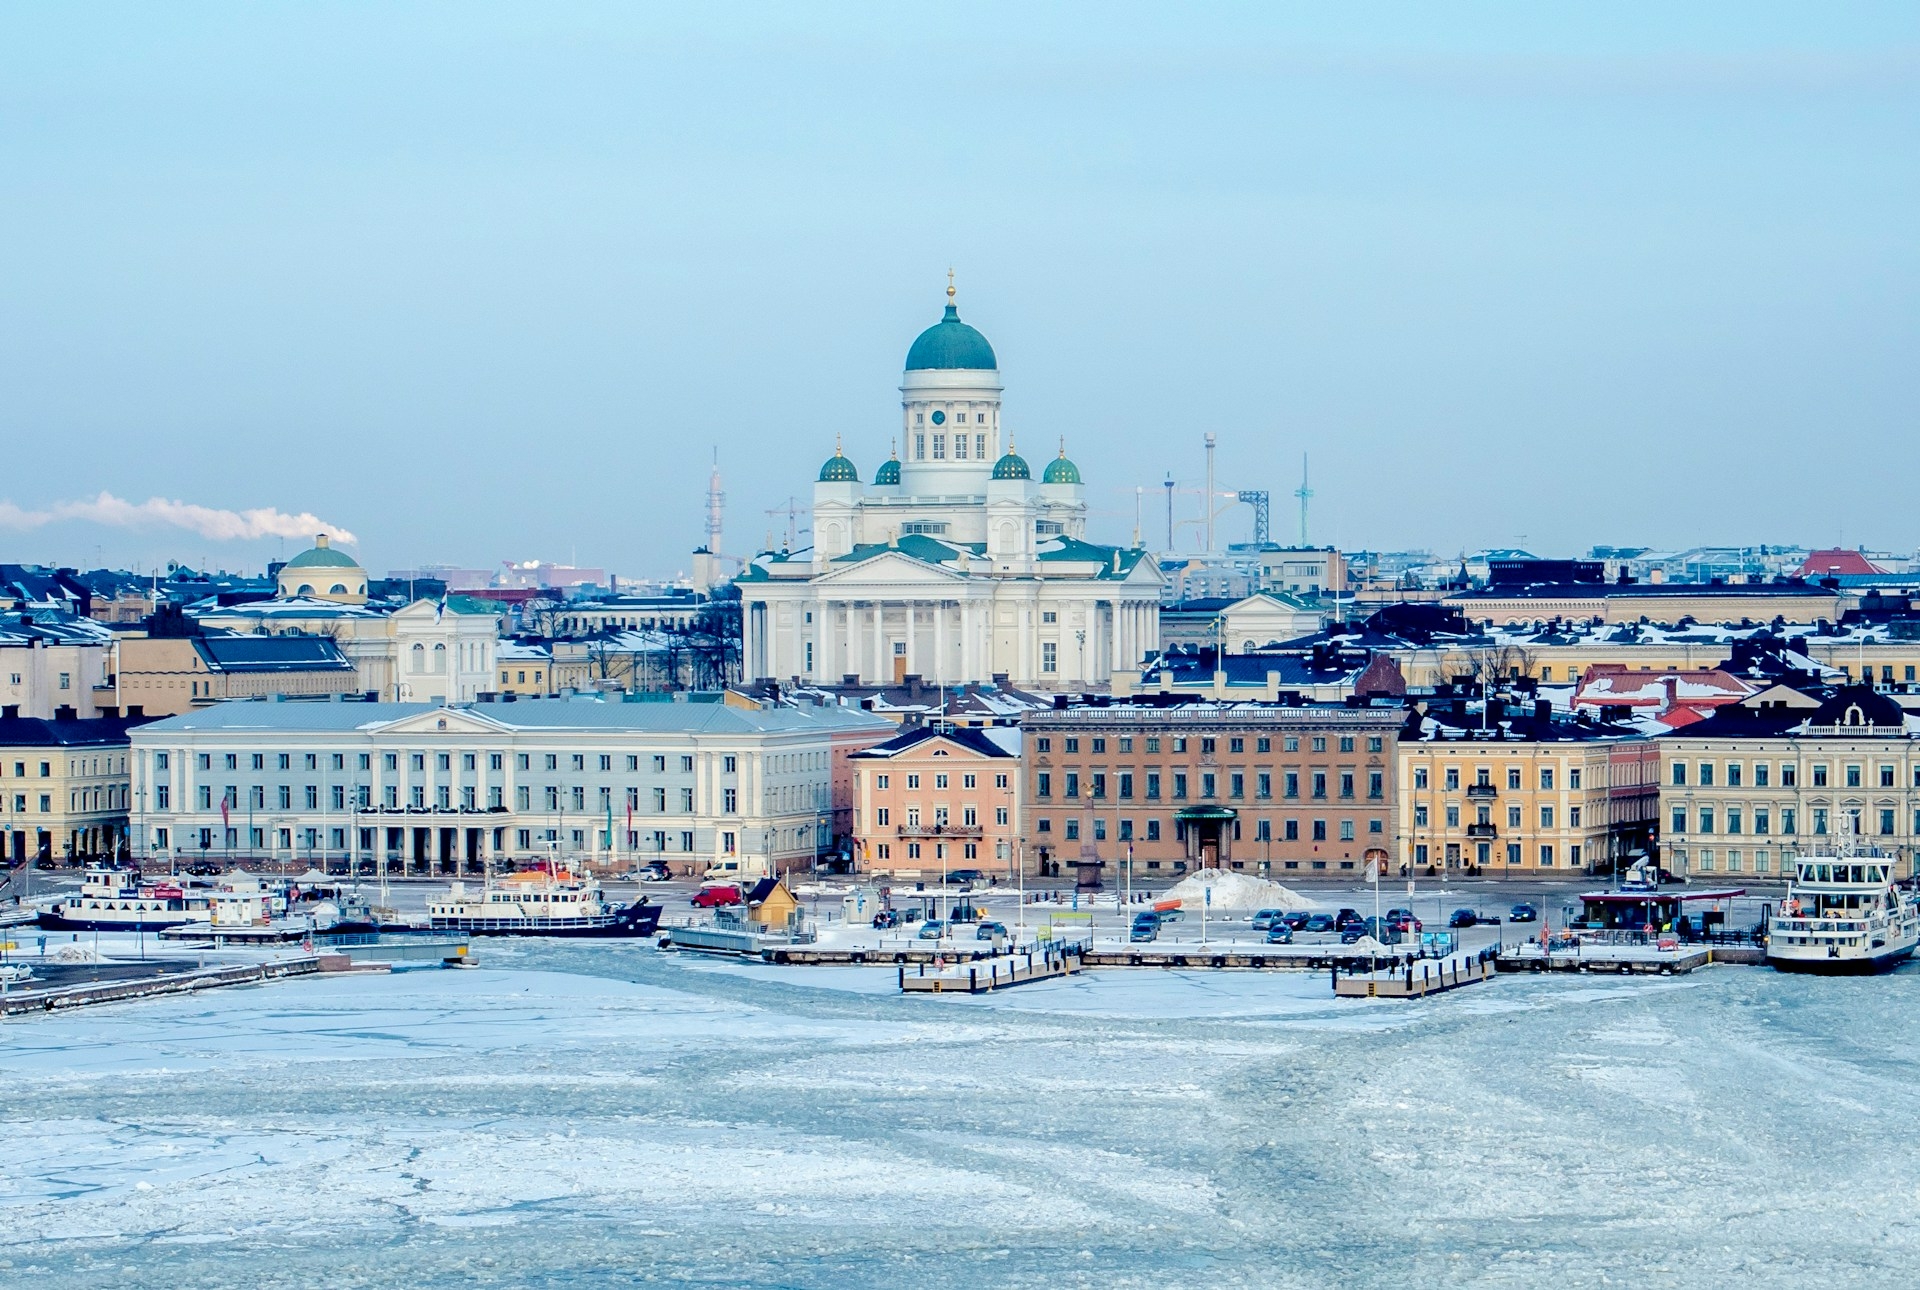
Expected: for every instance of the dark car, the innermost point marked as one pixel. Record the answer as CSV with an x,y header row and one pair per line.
x,y
1351,934
1383,930
1462,918
1279,934
987,931
886,918
1297,919
966,878
1320,923
1145,927
1347,918
1523,914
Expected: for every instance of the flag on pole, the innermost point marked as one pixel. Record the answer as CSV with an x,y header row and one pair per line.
x,y
1373,871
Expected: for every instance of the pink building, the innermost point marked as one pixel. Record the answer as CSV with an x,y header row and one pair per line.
x,y
938,798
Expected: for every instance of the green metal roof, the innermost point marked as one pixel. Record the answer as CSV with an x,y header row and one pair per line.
x,y
839,470
1012,466
322,557
1061,471
1192,814
889,472
950,344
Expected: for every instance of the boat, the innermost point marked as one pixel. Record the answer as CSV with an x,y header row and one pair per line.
x,y
1844,914
540,902
118,900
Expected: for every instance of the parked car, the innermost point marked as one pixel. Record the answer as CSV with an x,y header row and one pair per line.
x,y
1320,923
987,931
1523,913
1297,919
932,930
1347,918
1279,934
719,894
654,871
885,919
1266,918
1383,930
968,878
1462,918
1145,927
1403,920
1348,935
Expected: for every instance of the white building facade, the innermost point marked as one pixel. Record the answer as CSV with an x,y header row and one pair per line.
x,y
421,787
955,565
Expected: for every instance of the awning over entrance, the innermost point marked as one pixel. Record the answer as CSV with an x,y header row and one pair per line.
x,y
1204,814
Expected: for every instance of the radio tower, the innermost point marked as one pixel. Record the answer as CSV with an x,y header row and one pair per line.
x,y
716,506
1302,492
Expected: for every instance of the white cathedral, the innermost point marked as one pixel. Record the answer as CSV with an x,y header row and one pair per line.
x,y
954,565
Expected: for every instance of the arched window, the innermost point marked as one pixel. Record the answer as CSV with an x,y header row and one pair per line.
x,y
337,589
305,589
419,658
439,658
1854,716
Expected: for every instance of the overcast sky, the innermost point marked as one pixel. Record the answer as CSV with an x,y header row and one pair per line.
x,y
493,282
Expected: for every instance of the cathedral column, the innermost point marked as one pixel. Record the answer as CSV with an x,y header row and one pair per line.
x,y
913,647
823,645
853,640
940,664
967,669
882,665
1027,651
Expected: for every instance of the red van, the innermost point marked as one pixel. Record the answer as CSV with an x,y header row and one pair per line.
x,y
715,896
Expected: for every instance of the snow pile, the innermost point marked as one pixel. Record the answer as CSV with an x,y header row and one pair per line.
x,y
77,952
1233,890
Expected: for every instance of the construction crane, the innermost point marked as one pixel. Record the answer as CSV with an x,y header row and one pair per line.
x,y
793,511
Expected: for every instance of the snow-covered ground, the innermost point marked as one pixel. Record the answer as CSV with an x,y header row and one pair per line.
x,y
601,1115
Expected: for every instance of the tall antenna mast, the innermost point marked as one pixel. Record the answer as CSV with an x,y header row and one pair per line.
x,y
716,506
1304,494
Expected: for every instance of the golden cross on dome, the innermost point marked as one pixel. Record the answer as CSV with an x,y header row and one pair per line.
x,y
949,286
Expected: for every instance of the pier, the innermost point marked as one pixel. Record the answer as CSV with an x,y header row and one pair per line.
x,y
997,972
1416,980
150,980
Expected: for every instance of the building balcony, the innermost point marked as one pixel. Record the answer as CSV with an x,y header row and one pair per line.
x,y
941,831
1482,791
1482,831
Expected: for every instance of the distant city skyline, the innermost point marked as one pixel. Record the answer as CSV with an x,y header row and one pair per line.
x,y
498,289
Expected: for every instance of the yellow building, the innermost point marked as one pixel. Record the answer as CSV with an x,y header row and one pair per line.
x,y
165,676
1782,771
1651,602
1522,792
64,788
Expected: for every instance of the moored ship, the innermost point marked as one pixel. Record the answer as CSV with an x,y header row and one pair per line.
x,y
117,900
1844,914
540,902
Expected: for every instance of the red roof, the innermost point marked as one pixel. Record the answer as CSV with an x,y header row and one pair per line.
x,y
1834,562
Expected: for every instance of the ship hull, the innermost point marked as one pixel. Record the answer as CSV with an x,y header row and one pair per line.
x,y
1858,965
632,922
53,922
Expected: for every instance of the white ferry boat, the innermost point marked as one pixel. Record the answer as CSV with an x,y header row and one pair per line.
x,y
117,900
540,902
1844,914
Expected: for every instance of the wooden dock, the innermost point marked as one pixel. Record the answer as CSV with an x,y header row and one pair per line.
x,y
1638,960
1415,980
996,973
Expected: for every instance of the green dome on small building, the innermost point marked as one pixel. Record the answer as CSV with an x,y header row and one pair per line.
x,y
322,556
1061,471
839,470
889,473
1011,466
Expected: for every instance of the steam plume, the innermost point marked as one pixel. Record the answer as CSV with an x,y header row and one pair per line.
x,y
208,522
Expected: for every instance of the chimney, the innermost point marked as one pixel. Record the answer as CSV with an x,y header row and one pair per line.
x,y
11,712
65,712
1656,575
1543,711
1673,693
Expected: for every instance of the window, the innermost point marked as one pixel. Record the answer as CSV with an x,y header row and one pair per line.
x,y
1453,778
1420,816
1788,820
1513,853
1376,784
1546,777
1789,775
1375,743
1760,770
1886,821
1043,784
1292,783
1263,785
1292,830
730,800
1319,830
1049,657
1573,778
1072,744
1573,817
1453,817
1736,820
1346,830
1420,777
1180,784
1153,785
1126,785
1853,777
1819,775
1319,783
1513,817
1346,784
1043,744
1346,743
1096,785
729,765
880,781
1049,616
1546,857
686,799
1236,744
1153,830
1706,819
1762,820
1072,788
1206,784
1733,774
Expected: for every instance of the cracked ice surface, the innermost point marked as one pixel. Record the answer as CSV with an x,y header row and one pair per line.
x,y
605,1115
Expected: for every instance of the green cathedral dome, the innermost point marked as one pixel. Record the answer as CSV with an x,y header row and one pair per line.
x,y
950,344
839,470
1011,466
889,472
1061,471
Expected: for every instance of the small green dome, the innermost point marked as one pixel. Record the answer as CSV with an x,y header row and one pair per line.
x,y
1061,471
950,344
839,470
1011,466
322,555
889,472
